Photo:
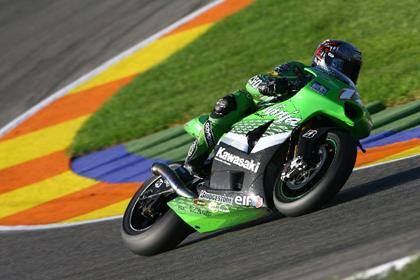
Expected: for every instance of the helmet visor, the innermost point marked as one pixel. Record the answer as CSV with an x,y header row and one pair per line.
x,y
351,70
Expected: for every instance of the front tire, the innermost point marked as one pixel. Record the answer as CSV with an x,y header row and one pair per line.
x,y
337,165
147,237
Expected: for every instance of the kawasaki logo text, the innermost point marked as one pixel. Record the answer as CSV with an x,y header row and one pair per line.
x,y
228,158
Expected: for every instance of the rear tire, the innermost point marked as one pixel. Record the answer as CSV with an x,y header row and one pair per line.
x,y
332,176
163,234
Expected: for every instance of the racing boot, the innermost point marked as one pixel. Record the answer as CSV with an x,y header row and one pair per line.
x,y
195,162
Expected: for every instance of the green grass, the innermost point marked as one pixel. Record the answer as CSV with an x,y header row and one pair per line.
x,y
265,34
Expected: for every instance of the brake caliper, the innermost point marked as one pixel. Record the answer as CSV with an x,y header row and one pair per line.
x,y
296,166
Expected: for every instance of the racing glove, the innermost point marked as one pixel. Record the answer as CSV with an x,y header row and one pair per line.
x,y
274,86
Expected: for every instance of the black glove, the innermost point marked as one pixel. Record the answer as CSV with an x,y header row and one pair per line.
x,y
274,86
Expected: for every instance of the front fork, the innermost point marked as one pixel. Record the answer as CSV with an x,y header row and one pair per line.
x,y
300,154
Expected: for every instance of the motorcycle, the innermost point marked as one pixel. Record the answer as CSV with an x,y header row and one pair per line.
x,y
291,156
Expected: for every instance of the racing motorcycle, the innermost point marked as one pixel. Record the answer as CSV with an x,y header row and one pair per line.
x,y
291,156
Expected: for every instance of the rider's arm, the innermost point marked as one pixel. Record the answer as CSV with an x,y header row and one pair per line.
x,y
279,82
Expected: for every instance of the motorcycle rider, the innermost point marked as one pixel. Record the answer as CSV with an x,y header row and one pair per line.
x,y
337,58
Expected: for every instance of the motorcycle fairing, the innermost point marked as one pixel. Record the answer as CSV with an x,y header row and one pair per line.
x,y
277,121
257,138
207,216
235,175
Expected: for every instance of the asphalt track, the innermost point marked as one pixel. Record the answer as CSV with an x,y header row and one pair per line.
x,y
47,44
373,220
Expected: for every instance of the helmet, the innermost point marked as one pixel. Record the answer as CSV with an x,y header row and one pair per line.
x,y
339,58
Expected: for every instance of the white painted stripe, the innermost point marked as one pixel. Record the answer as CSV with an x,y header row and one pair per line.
x,y
104,66
269,141
237,141
52,226
384,269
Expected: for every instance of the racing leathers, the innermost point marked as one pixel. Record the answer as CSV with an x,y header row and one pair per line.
x,y
260,91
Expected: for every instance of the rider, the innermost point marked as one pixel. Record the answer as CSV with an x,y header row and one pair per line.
x,y
337,58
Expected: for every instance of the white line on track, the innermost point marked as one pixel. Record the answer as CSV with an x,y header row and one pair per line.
x,y
53,226
104,66
385,162
384,269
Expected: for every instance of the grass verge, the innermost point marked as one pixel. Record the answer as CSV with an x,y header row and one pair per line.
x,y
252,41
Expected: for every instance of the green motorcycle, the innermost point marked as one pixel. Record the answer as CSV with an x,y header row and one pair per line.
x,y
255,170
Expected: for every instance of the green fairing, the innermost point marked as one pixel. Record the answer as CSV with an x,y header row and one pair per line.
x,y
304,105
308,103
311,103
206,216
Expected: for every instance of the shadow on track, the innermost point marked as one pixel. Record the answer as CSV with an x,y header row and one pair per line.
x,y
376,186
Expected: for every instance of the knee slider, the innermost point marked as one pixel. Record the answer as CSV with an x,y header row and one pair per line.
x,y
224,106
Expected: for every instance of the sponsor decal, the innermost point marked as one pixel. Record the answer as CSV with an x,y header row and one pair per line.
x,y
208,134
190,209
319,88
283,116
255,81
227,158
347,93
218,207
201,207
215,197
220,203
310,134
246,200
192,149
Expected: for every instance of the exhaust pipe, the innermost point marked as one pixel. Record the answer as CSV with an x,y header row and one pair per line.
x,y
169,175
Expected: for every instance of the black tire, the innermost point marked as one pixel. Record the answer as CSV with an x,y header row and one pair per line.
x,y
164,234
326,184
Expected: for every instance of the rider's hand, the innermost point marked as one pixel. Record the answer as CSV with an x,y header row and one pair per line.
x,y
274,86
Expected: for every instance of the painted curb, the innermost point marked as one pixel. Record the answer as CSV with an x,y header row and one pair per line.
x,y
36,180
104,66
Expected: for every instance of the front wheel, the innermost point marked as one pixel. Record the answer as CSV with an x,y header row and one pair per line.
x,y
333,162
149,227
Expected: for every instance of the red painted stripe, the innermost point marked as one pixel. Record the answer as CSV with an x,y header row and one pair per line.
x,y
33,171
222,10
68,107
79,203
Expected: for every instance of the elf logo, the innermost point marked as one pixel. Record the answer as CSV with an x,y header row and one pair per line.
x,y
228,158
253,201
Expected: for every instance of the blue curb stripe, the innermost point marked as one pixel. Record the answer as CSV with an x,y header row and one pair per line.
x,y
114,165
117,165
390,137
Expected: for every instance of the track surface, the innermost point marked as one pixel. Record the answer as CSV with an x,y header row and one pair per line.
x,y
374,219
47,44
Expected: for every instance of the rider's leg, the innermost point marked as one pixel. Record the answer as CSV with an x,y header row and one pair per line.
x,y
227,111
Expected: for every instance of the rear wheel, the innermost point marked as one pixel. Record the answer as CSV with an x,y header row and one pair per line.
x,y
331,165
149,226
